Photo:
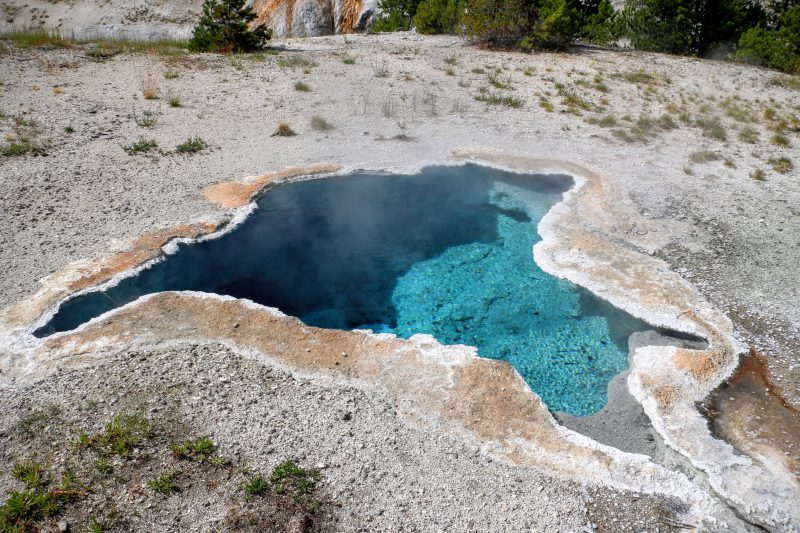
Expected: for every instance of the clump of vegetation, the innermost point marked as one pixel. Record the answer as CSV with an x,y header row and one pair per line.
x,y
119,437
606,121
24,510
223,27
170,73
302,87
31,473
256,486
780,140
147,118
704,156
299,483
748,135
521,23
712,127
283,130
141,146
395,15
27,425
296,61
165,483
787,82
318,123
349,60
636,76
497,82
380,70
289,479
149,89
758,175
24,140
774,44
201,450
191,145
36,38
782,165
438,16
645,127
174,100
488,97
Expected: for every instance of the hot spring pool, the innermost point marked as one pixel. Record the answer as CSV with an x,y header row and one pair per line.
x,y
445,252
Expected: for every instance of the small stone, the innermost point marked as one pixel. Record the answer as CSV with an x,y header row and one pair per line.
x,y
347,416
63,526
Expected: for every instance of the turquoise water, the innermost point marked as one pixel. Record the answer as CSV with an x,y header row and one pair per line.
x,y
445,252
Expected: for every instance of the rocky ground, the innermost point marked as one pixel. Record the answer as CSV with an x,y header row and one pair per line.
x,y
688,139
377,472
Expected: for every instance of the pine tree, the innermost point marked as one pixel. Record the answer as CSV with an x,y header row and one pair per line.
x,y
223,27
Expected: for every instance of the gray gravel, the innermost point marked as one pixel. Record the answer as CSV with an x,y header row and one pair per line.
x,y
383,473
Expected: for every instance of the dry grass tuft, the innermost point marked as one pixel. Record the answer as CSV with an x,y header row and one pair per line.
x,y
704,156
149,87
283,130
781,165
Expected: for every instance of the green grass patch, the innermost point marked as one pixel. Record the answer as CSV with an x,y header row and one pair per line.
x,y
191,145
488,97
141,146
787,82
712,127
165,483
318,123
256,486
200,450
780,140
704,156
295,62
606,121
748,135
782,165
31,473
120,436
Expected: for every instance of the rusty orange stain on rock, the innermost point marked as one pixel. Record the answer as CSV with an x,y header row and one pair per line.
x,y
238,193
749,412
144,249
486,397
701,363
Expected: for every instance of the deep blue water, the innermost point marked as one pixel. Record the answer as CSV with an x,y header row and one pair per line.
x,y
445,252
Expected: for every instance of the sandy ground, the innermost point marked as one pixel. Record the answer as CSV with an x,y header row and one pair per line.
x,y
736,238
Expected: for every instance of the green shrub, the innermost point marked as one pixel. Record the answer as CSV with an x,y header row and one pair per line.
x,y
438,16
395,15
687,26
191,146
602,26
141,146
548,24
165,483
223,27
257,485
775,48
